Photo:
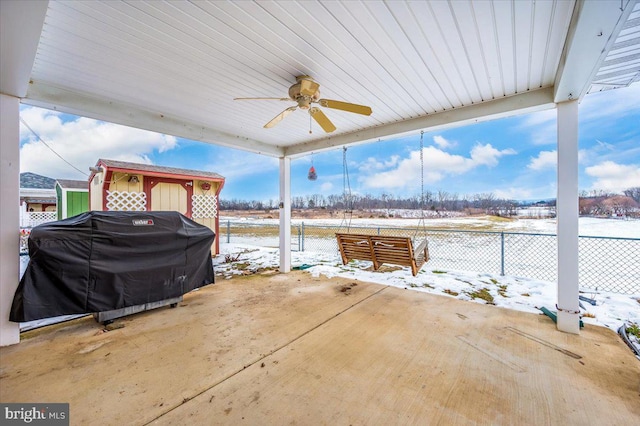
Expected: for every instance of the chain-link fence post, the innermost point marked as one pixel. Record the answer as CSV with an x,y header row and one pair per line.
x,y
302,242
228,231
502,254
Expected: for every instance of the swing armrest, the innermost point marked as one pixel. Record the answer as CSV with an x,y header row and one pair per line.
x,y
422,251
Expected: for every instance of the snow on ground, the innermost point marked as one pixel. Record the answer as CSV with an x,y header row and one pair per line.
x,y
523,294
588,226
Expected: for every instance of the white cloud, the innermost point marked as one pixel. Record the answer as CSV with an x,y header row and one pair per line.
x,y
611,103
82,142
239,163
326,187
549,159
488,155
442,142
544,160
614,177
513,193
372,165
437,165
541,126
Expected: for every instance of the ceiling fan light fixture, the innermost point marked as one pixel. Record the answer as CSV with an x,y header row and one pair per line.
x,y
305,92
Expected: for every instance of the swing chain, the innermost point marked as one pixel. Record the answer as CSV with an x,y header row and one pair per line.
x,y
346,188
422,171
421,223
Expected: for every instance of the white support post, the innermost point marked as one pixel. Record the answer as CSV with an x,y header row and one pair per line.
x,y
10,217
285,214
567,218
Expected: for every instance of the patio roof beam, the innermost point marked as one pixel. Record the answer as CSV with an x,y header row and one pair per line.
x,y
54,98
527,102
587,43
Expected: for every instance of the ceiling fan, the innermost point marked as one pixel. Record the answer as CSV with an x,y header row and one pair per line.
x,y
305,92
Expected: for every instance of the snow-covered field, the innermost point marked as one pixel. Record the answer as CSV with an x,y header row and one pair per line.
x,y
588,226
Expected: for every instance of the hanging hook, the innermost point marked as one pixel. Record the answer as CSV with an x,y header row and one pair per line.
x,y
312,171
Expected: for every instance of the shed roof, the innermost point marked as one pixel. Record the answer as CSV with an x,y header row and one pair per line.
x,y
73,184
152,169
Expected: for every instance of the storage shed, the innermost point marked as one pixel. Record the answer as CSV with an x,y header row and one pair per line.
x,y
72,197
123,186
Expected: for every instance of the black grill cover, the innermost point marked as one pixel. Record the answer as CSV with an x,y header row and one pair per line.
x,y
99,261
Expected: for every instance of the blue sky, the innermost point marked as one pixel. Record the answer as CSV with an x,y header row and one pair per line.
x,y
512,158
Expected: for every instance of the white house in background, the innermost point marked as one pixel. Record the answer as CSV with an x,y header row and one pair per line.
x,y
37,200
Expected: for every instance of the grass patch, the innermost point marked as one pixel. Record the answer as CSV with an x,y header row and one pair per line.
x,y
499,219
463,281
483,294
427,286
493,280
589,315
451,292
438,272
412,285
241,266
525,295
502,290
634,330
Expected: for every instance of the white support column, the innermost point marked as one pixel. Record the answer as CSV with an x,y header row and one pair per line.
x,y
285,214
567,218
10,216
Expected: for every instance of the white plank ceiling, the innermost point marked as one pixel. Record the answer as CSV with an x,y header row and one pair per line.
x,y
176,66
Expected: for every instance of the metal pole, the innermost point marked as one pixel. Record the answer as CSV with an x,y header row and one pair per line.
x,y
502,253
302,246
228,231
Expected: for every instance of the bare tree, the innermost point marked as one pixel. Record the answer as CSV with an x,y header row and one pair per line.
x,y
633,193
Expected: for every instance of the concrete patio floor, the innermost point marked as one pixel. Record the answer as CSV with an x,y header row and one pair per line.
x,y
294,349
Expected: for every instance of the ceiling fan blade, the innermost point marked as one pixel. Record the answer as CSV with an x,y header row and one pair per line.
x,y
345,106
308,87
278,118
262,99
322,119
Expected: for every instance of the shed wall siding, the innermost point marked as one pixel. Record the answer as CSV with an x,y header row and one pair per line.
x,y
77,202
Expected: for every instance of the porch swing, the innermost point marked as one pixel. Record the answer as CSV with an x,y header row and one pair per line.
x,y
380,249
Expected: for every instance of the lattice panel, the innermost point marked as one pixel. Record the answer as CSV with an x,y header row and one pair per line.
x,y
126,201
31,219
204,206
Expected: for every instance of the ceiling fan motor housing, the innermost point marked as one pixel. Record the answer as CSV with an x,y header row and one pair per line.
x,y
304,92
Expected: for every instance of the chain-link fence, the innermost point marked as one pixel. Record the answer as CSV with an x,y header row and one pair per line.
x,y
609,264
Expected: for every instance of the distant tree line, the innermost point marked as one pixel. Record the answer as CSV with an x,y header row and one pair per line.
x,y
591,203
603,203
435,201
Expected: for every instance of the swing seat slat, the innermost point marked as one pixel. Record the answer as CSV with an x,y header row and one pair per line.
x,y
383,249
